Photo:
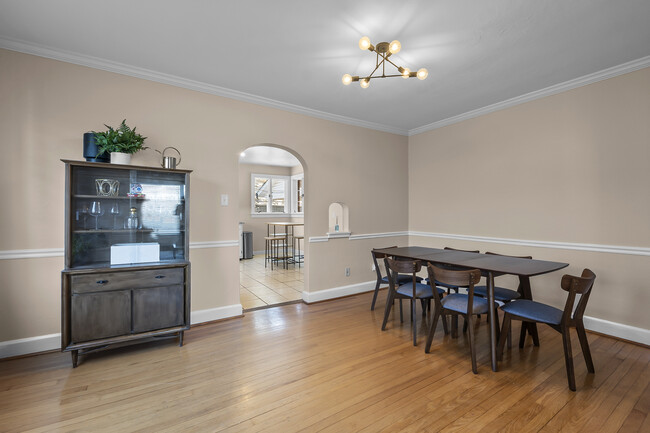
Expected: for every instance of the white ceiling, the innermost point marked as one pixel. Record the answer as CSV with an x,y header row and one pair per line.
x,y
266,155
292,53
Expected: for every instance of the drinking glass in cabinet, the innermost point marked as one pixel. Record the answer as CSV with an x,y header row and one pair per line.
x,y
115,211
96,210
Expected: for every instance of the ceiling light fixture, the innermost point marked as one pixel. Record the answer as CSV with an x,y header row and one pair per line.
x,y
384,50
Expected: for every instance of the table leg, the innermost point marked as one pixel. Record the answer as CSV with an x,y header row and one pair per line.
x,y
492,319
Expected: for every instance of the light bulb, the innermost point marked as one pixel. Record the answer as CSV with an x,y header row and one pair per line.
x,y
243,154
364,83
364,43
406,72
422,73
347,79
395,46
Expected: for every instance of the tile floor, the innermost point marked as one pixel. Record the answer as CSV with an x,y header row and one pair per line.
x,y
260,286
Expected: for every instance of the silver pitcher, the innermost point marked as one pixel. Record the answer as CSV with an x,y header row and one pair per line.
x,y
169,161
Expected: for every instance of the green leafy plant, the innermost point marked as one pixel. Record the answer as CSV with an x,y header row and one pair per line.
x,y
123,139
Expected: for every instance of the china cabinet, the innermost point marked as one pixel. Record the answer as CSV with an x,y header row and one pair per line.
x,y
127,270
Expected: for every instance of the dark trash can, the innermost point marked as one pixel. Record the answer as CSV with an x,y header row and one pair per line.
x,y
247,242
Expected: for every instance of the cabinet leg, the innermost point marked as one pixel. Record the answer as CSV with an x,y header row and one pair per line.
x,y
75,358
180,338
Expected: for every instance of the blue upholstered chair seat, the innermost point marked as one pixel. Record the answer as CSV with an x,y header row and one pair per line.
x,y
458,302
534,311
500,293
402,279
421,290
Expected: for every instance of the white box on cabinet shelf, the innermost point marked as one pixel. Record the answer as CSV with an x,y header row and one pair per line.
x,y
124,254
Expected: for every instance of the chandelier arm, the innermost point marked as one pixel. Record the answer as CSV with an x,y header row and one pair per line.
x,y
373,71
392,63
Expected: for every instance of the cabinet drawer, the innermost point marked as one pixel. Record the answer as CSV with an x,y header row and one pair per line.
x,y
106,281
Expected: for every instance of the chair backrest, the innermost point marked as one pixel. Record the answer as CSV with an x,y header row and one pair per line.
x,y
394,267
377,255
505,255
465,251
459,278
577,286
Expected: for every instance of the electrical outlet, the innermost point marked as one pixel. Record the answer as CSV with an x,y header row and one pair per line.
x,y
372,267
224,199
347,272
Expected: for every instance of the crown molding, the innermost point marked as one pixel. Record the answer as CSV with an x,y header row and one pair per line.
x,y
173,80
614,71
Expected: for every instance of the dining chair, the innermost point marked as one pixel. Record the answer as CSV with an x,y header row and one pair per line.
x,y
381,280
464,304
502,294
412,290
560,320
447,286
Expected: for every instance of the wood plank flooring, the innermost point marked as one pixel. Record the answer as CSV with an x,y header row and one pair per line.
x,y
327,367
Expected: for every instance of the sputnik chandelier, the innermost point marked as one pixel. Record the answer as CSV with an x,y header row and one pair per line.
x,y
384,50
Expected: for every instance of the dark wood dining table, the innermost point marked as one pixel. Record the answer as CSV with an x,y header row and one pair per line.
x,y
490,265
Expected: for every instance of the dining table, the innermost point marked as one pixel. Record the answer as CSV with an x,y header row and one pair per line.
x,y
489,265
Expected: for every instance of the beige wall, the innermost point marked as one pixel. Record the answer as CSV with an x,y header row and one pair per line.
x,y
46,107
257,224
566,168
569,168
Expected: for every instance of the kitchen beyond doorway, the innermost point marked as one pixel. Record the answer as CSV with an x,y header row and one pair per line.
x,y
260,287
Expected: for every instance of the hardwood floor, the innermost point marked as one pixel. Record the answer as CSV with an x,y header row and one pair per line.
x,y
326,367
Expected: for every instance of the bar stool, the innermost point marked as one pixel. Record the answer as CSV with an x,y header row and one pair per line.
x,y
297,258
275,245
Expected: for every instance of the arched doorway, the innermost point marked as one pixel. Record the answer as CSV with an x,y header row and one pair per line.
x,y
272,205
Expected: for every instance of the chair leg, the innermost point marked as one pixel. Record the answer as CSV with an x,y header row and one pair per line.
x,y
522,335
584,343
464,325
444,323
504,332
401,312
374,297
568,358
414,319
454,325
432,331
472,348
389,304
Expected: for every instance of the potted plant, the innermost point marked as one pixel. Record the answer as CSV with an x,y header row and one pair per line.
x,y
120,143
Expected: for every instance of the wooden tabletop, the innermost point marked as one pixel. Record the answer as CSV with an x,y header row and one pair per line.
x,y
484,262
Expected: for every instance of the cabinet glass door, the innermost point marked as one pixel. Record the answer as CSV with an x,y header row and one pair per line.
x,y
125,217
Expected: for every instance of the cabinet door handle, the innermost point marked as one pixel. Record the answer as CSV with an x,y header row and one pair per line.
x,y
102,282
160,277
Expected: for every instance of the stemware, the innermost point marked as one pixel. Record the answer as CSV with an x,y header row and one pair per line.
x,y
115,211
82,214
96,210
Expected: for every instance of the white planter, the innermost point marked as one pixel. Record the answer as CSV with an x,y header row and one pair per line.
x,y
120,158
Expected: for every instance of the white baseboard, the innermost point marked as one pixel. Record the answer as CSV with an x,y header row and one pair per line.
x,y
218,313
626,332
44,343
24,346
338,292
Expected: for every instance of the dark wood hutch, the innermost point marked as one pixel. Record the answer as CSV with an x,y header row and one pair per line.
x,y
127,269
